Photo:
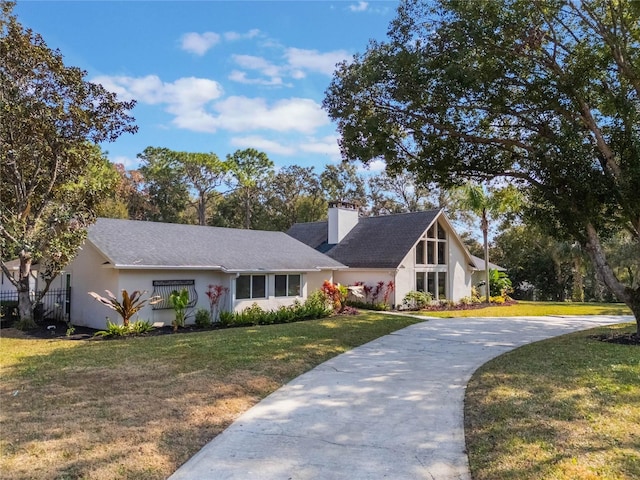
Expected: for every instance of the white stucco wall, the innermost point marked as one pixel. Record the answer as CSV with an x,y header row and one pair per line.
x,y
369,276
459,271
131,280
89,275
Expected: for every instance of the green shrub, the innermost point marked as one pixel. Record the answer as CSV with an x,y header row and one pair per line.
x,y
499,284
134,328
203,318
415,300
113,330
179,300
226,318
139,327
315,306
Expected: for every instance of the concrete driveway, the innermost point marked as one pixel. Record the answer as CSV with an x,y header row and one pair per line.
x,y
392,408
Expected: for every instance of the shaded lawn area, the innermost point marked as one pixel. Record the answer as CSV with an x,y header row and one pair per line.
x,y
564,409
137,408
534,309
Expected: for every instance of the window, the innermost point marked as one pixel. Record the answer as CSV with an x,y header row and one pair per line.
x,y
420,252
163,288
251,286
442,253
434,283
442,285
431,284
287,286
436,247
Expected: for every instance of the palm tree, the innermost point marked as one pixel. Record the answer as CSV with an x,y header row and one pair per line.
x,y
485,203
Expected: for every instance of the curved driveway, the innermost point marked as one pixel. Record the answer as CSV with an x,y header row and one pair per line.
x,y
392,408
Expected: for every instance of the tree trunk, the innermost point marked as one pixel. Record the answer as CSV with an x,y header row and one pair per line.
x,y
202,210
577,291
485,236
247,213
630,296
25,306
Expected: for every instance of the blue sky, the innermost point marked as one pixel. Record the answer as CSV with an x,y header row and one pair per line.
x,y
216,76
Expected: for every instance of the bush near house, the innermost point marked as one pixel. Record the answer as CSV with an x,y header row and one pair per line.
x,y
314,307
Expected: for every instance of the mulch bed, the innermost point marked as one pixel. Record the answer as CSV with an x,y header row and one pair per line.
x,y
58,330
618,338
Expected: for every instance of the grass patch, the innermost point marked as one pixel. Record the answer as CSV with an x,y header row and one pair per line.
x,y
535,309
138,408
561,409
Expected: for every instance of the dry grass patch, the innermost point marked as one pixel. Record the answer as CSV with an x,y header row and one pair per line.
x,y
560,409
138,408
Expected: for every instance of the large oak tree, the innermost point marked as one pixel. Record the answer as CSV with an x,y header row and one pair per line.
x,y
52,173
544,93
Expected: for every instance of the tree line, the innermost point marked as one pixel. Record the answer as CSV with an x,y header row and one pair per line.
x,y
245,190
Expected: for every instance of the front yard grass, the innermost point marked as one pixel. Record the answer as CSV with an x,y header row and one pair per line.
x,y
534,309
138,408
563,409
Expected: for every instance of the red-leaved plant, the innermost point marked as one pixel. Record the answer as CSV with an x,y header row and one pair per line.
x,y
215,293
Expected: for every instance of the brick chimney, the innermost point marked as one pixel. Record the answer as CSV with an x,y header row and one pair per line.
x,y
343,216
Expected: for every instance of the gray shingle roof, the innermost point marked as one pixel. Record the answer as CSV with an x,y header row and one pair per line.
x,y
136,244
375,242
479,263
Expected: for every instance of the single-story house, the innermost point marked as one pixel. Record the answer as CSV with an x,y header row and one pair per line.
x,y
416,251
271,269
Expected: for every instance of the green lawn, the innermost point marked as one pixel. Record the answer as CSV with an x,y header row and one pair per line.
x,y
534,309
563,409
137,408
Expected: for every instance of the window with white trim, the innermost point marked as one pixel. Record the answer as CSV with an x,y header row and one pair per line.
x,y
433,249
434,283
288,285
251,286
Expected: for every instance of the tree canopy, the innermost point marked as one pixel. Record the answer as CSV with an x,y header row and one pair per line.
x,y
545,93
52,173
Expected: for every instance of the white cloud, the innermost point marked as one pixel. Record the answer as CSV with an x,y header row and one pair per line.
x,y
293,114
326,146
233,36
129,163
314,61
372,167
251,62
185,98
297,63
192,103
359,7
263,144
199,43
241,77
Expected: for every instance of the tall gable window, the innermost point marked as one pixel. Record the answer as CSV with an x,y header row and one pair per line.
x,y
251,286
433,250
434,283
287,286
